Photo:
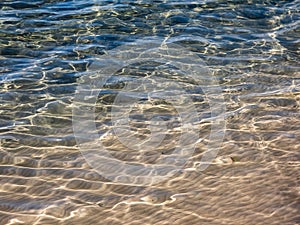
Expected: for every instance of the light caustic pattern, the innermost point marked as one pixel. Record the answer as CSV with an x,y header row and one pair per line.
x,y
135,124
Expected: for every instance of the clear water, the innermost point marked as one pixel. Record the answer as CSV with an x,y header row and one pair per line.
x,y
251,48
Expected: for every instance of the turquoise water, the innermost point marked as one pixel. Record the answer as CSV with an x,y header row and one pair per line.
x,y
250,54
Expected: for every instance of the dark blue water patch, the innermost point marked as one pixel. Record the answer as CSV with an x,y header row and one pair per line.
x,y
68,5
61,90
19,5
178,19
289,18
19,52
291,44
61,77
253,12
10,64
6,125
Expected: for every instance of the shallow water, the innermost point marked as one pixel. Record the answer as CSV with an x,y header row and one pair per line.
x,y
251,48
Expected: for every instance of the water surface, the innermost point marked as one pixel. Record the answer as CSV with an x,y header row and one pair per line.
x,y
251,47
